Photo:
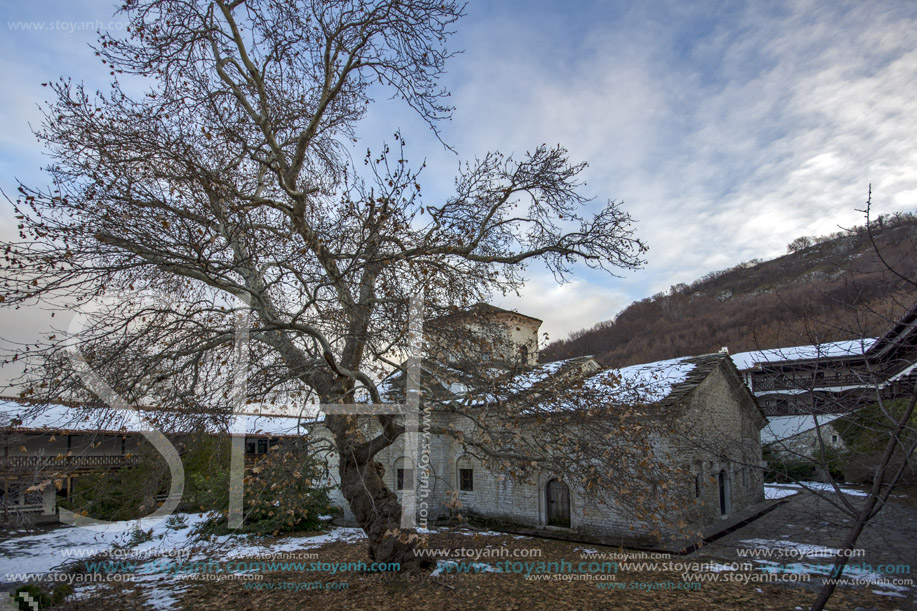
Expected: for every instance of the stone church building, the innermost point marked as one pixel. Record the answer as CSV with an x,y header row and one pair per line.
x,y
713,445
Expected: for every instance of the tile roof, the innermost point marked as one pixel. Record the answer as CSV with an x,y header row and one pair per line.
x,y
19,416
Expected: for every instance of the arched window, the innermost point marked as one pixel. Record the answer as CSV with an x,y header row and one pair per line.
x,y
464,472
725,486
404,474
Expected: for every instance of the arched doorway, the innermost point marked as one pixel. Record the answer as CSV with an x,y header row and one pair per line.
x,y
725,493
558,503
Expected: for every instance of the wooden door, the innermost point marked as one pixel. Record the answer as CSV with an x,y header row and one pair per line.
x,y
558,503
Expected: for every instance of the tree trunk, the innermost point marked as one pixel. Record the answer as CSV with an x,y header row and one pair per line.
x,y
867,512
378,512
840,561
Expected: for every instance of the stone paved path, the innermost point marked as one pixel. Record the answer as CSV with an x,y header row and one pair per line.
x,y
812,522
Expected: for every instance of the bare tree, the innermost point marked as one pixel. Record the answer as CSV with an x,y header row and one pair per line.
x,y
871,381
800,243
226,189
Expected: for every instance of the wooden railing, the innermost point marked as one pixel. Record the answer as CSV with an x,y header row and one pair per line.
x,y
14,509
73,463
8,463
813,383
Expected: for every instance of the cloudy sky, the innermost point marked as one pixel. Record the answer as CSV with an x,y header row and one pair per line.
x,y
726,128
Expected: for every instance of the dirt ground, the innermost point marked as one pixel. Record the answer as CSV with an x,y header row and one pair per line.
x,y
806,520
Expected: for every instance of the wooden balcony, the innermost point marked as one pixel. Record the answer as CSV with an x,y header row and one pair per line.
x,y
26,464
814,383
8,511
23,465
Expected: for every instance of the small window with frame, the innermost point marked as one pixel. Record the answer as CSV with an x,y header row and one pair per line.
x,y
466,480
404,479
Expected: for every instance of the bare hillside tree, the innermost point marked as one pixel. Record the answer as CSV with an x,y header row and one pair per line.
x,y
871,383
226,189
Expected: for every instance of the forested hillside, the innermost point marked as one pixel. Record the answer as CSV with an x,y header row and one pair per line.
x,y
826,288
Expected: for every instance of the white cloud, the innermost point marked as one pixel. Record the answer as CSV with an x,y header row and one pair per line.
x,y
727,129
567,307
773,129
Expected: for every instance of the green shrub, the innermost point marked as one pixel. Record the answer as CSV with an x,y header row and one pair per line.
x,y
125,494
281,494
25,596
176,522
790,471
60,592
867,429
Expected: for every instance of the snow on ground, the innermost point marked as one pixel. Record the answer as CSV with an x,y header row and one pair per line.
x,y
253,548
452,566
426,531
854,570
714,567
174,539
818,487
481,533
44,552
790,549
881,593
161,591
772,492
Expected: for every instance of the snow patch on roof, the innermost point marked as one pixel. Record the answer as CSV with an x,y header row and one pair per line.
x,y
635,385
854,347
97,419
534,376
646,383
783,427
